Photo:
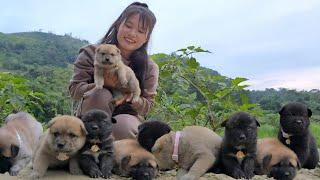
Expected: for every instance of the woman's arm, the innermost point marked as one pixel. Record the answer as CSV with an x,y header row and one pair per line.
x,y
82,80
147,97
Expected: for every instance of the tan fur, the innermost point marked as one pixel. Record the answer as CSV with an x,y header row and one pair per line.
x,y
47,151
272,146
131,147
114,69
198,150
29,129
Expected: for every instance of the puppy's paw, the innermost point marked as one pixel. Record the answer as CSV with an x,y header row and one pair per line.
x,y
95,173
13,172
106,174
238,174
123,83
34,175
188,177
249,174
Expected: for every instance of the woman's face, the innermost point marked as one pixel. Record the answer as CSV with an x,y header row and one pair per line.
x,y
131,35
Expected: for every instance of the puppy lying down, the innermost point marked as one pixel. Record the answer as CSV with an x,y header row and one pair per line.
x,y
194,150
133,160
275,159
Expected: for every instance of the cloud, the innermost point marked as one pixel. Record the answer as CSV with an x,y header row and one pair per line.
x,y
298,78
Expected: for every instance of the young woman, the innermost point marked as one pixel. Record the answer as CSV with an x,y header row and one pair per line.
x,y
130,33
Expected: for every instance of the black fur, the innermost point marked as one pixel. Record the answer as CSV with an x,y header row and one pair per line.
x,y
125,108
5,164
99,126
294,120
150,131
142,171
284,170
240,135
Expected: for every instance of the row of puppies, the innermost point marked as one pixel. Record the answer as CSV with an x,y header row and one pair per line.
x,y
79,146
241,155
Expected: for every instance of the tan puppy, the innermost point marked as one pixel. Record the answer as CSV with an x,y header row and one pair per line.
x,y
64,138
197,152
108,65
133,160
270,153
19,135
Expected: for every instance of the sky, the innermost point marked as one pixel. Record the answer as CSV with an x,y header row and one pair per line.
x,y
273,43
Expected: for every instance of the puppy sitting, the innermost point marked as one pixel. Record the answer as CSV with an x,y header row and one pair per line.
x,y
239,145
96,158
108,65
195,149
64,138
17,139
133,160
275,159
294,133
150,131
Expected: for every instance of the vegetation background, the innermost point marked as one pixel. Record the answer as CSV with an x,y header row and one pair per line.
x,y
35,69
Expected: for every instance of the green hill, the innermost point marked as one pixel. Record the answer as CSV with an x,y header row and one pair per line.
x,y
19,51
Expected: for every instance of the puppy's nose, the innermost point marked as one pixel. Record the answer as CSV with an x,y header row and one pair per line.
x,y
242,137
95,127
60,145
107,59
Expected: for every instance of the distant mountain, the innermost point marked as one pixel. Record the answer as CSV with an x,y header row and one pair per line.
x,y
19,50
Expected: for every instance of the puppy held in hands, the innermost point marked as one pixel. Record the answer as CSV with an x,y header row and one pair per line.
x,y
150,131
64,138
18,136
96,156
294,133
194,150
275,159
238,150
131,160
108,65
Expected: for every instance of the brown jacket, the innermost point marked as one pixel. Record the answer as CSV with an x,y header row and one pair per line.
x,y
83,80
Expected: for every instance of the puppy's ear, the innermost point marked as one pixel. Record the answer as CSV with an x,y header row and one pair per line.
x,y
125,162
281,110
83,128
224,123
309,112
156,148
113,120
14,150
51,122
141,127
266,161
258,124
298,164
118,51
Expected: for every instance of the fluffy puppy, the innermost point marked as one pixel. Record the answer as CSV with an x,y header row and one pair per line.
x,y
133,160
150,131
275,159
64,138
198,149
96,156
19,135
108,65
294,133
239,145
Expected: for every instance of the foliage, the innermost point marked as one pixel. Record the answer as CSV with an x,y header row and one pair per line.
x,y
189,95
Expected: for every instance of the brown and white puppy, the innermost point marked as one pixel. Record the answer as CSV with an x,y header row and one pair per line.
x,y
108,65
133,160
64,138
275,159
19,135
197,151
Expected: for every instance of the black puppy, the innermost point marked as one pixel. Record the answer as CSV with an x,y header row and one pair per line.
x,y
97,155
294,133
284,170
5,164
239,145
150,131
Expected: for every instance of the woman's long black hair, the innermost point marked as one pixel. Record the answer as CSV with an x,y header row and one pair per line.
x,y
139,58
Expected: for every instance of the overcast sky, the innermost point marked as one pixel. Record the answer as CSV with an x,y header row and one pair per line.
x,y
274,43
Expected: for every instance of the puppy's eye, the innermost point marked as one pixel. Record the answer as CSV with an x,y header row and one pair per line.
x,y
56,134
112,54
103,54
72,135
